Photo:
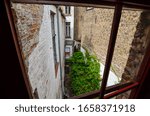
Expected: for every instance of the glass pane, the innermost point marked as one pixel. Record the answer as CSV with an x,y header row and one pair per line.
x,y
85,32
89,31
126,32
88,34
131,44
92,27
38,35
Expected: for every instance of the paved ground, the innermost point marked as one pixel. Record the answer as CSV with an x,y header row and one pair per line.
x,y
112,79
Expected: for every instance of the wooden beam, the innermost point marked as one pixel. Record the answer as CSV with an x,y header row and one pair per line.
x,y
111,47
93,3
94,94
118,92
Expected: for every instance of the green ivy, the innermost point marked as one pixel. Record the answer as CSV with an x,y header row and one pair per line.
x,y
85,73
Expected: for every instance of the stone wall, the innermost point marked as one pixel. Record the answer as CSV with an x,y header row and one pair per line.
x,y
139,46
93,27
33,25
132,39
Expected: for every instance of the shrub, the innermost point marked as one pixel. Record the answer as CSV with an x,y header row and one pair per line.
x,y
85,73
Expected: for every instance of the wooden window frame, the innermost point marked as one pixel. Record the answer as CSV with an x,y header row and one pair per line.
x,y
118,4
68,49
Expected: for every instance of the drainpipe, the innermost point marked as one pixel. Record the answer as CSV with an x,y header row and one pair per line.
x,y
58,27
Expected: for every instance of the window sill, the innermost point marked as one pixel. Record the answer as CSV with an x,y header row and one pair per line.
x,y
67,14
68,37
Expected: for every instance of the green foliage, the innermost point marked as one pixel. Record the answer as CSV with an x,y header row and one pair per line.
x,y
85,73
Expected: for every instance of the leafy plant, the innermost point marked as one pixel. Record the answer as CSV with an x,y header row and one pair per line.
x,y
85,73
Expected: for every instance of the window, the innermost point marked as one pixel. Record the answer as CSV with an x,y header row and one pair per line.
x,y
108,92
67,52
54,41
69,42
67,10
67,49
68,30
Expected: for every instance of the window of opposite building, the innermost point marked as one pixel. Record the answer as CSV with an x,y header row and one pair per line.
x,y
105,92
67,49
67,10
68,35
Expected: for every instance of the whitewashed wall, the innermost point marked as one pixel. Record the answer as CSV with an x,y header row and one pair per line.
x,y
41,61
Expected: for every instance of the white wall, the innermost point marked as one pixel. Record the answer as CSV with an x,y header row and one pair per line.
x,y
41,61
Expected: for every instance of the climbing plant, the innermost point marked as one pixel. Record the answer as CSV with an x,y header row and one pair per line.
x,y
85,73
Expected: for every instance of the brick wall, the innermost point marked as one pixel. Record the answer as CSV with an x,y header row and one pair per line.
x,y
28,21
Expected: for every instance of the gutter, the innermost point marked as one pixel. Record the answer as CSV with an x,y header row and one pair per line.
x,y
58,27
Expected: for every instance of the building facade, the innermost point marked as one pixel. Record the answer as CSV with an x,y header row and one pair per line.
x,y
41,35
93,28
69,30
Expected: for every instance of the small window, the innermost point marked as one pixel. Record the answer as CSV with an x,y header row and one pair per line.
x,y
67,10
69,42
67,52
67,49
54,42
68,29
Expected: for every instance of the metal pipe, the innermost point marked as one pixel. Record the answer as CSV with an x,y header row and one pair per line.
x,y
58,27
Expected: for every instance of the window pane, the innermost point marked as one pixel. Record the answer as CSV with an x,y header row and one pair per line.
x,y
67,49
66,9
91,27
69,9
131,43
68,29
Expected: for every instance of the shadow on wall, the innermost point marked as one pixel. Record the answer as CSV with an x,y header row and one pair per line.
x,y
88,44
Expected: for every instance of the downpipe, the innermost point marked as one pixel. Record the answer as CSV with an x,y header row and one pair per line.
x,y
61,76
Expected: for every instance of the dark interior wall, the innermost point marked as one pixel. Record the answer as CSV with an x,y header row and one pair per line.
x,y
145,90
11,79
